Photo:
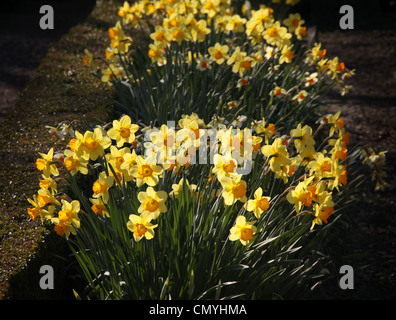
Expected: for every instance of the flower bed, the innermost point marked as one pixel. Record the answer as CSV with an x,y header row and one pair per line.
x,y
226,203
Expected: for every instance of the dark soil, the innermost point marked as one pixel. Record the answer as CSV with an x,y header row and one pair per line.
x,y
23,44
369,112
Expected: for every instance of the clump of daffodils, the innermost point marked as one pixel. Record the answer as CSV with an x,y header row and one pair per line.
x,y
159,162
211,156
213,34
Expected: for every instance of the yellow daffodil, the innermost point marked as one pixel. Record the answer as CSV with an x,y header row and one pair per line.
x,y
340,177
164,139
236,23
337,123
276,35
141,226
123,131
302,137
262,15
99,207
69,213
116,159
40,209
293,21
240,61
287,55
130,160
336,67
260,128
177,188
302,194
67,218
321,165
156,54
219,53
224,165
179,33
316,53
259,204
210,7
118,38
88,58
75,163
46,164
254,31
277,154
49,184
45,197
198,31
234,189
92,144
242,230
160,36
300,32
152,201
102,185
322,212
112,73
145,173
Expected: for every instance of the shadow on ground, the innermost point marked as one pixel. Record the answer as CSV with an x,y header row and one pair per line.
x,y
23,44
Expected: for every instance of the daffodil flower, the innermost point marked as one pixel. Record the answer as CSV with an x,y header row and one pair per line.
x,y
102,185
91,143
145,173
152,201
123,131
234,189
302,137
259,204
67,218
98,207
46,164
277,154
224,165
75,163
242,230
219,53
178,187
302,194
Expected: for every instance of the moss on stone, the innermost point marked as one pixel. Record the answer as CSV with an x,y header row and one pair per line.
x,y
61,90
